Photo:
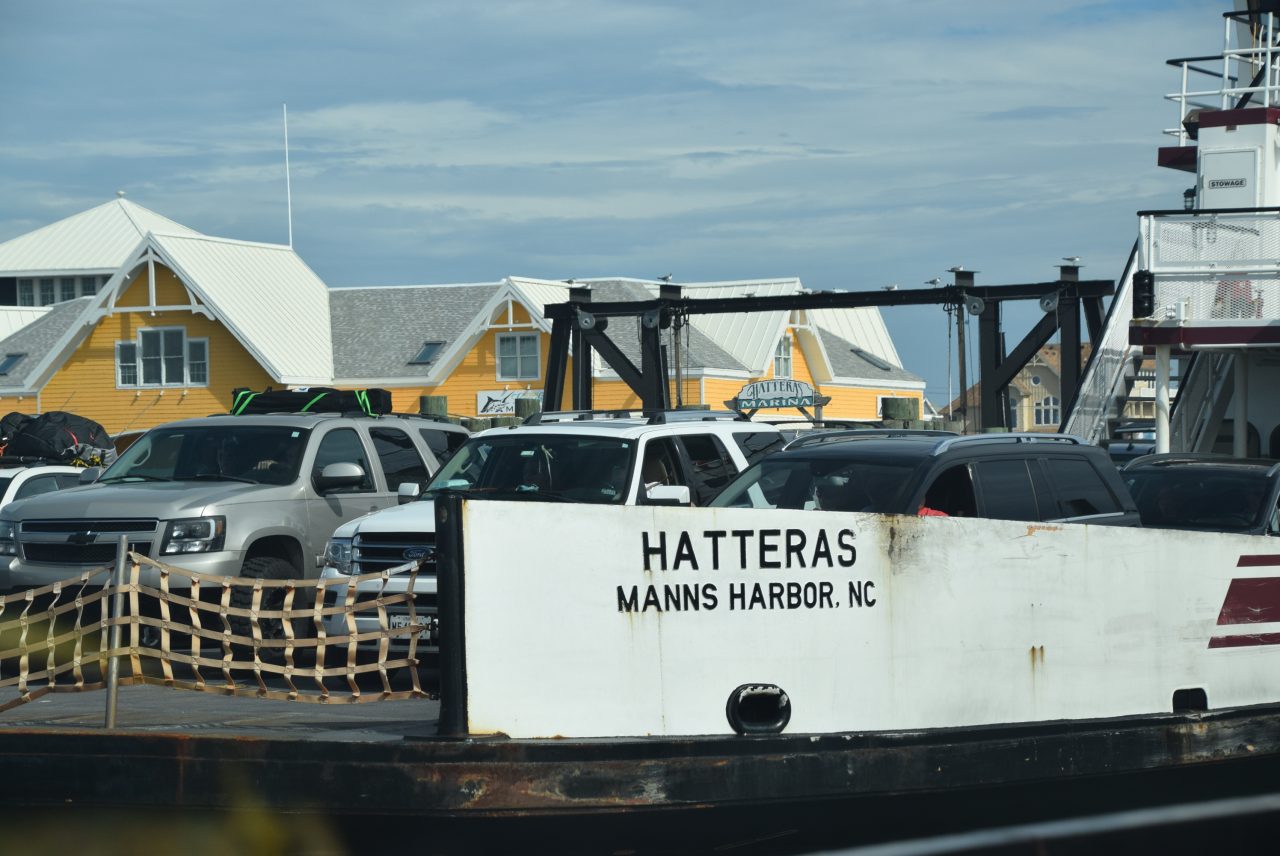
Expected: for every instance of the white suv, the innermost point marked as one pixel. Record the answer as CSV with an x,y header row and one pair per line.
x,y
622,458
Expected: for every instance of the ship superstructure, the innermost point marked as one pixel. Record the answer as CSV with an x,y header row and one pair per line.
x,y
1203,285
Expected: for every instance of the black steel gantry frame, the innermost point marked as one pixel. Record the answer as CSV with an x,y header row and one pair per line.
x,y
581,324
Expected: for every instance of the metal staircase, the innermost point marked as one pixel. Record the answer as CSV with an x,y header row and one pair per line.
x,y
1108,378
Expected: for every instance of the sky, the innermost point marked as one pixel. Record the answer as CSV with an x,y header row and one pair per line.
x,y
852,144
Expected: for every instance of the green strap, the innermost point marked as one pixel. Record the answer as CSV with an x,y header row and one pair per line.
x,y
242,402
307,406
362,398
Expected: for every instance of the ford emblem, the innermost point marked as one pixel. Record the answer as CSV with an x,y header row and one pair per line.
x,y
414,553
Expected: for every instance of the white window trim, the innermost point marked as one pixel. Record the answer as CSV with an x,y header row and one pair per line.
x,y
497,353
136,341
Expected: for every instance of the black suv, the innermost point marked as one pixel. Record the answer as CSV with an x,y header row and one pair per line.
x,y
1002,476
1210,493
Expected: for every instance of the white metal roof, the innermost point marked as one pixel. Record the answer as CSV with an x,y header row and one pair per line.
x,y
94,241
537,293
863,326
264,294
14,318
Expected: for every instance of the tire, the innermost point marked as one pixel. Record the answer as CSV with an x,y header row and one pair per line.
x,y
262,568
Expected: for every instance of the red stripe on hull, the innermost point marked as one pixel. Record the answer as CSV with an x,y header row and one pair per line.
x,y
1257,561
1245,640
1251,601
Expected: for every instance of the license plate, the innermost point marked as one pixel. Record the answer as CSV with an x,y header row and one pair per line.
x,y
398,622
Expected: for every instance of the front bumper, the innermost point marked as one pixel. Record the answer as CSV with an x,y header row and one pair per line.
x,y
364,619
25,574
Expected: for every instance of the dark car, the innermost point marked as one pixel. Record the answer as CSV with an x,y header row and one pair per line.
x,y
1130,441
1003,476
1211,493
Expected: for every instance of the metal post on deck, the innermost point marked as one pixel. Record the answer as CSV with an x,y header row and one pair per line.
x,y
1162,398
115,606
1240,424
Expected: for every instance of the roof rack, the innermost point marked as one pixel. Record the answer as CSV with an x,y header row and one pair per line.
x,y
818,438
651,417
1011,437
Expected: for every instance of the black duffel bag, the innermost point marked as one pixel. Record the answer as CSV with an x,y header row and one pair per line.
x,y
371,402
58,436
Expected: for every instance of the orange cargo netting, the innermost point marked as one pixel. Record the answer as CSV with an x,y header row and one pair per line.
x,y
198,640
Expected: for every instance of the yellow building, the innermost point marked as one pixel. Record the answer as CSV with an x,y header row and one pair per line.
x,y
182,319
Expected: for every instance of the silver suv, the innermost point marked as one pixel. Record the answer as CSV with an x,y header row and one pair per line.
x,y
609,458
253,496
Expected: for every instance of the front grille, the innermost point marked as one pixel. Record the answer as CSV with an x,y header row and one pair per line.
x,y
377,551
78,554
101,526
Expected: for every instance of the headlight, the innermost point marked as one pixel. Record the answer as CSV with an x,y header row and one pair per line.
x,y
195,535
8,547
337,555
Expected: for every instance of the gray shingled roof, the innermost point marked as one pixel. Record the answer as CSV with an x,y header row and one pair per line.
x,y
377,331
38,339
700,353
847,361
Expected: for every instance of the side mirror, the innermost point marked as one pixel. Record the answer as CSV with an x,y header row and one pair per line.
x,y
408,492
668,494
89,475
338,476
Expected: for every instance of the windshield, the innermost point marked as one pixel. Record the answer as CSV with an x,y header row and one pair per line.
x,y
258,454
1200,498
819,484
550,466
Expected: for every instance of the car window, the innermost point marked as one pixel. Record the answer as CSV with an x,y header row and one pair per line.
x,y
712,466
442,443
951,492
756,444
400,460
4,484
36,485
579,469
661,464
1200,498
818,484
1007,492
1079,488
343,445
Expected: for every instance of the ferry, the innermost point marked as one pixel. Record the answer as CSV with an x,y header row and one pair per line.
x,y
981,670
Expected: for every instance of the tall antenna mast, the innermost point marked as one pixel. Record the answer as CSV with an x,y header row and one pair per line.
x,y
288,189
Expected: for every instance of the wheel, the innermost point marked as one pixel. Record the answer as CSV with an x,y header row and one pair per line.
x,y
262,568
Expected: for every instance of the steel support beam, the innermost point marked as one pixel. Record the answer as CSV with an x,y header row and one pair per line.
x,y
557,362
582,393
1069,371
990,395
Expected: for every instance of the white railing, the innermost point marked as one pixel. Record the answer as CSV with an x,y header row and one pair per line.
x,y
1234,77
1213,266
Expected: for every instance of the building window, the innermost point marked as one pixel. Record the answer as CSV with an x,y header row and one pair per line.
x,y
163,357
9,361
782,358
198,361
46,292
1048,411
427,354
126,364
90,285
26,292
66,288
518,356
1035,380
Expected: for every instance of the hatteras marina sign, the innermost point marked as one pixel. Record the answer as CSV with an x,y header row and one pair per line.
x,y
777,393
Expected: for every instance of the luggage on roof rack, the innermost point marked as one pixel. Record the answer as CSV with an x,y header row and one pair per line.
x,y
56,437
371,402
